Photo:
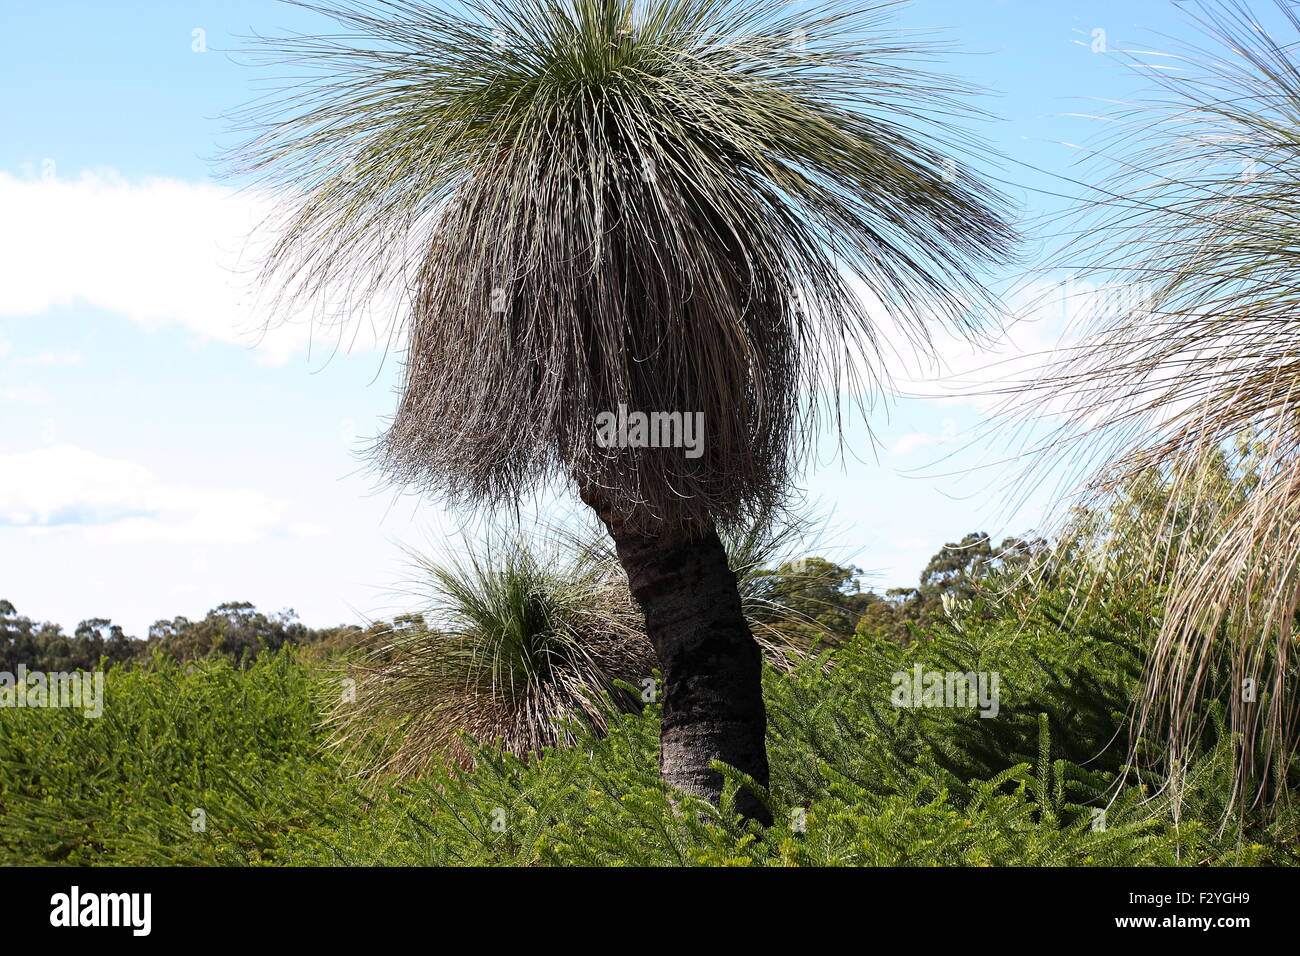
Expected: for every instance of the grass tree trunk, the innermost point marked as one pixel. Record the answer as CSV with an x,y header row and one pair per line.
x,y
712,667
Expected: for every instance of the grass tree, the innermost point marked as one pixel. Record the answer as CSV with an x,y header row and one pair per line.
x,y
691,208
518,638
517,641
1188,378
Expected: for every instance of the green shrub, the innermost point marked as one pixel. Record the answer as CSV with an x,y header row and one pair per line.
x,y
240,746
856,780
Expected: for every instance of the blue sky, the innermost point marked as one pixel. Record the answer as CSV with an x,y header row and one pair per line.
x,y
156,458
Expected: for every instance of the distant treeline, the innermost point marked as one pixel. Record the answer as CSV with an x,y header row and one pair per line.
x,y
235,630
827,600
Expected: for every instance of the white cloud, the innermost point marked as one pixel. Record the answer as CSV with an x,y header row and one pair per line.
x,y
953,369
66,487
26,395
977,373
49,358
910,443
160,252
921,547
914,441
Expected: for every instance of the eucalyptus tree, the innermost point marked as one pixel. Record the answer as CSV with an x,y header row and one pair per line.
x,y
694,211
1188,377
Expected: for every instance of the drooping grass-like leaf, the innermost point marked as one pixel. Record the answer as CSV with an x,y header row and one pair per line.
x,y
694,207
1194,349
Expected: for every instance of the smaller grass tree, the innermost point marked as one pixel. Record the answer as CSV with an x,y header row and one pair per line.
x,y
519,641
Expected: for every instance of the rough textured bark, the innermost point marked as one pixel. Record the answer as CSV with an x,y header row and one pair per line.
x,y
711,664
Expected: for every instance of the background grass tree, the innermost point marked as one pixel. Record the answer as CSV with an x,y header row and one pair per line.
x,y
1188,379
516,645
522,640
700,207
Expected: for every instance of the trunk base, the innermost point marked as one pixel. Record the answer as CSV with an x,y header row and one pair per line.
x,y
712,666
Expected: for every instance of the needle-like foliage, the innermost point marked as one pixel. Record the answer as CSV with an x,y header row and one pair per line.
x,y
517,642
1197,343
668,205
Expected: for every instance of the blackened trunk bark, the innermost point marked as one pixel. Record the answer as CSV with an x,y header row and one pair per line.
x,y
711,664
